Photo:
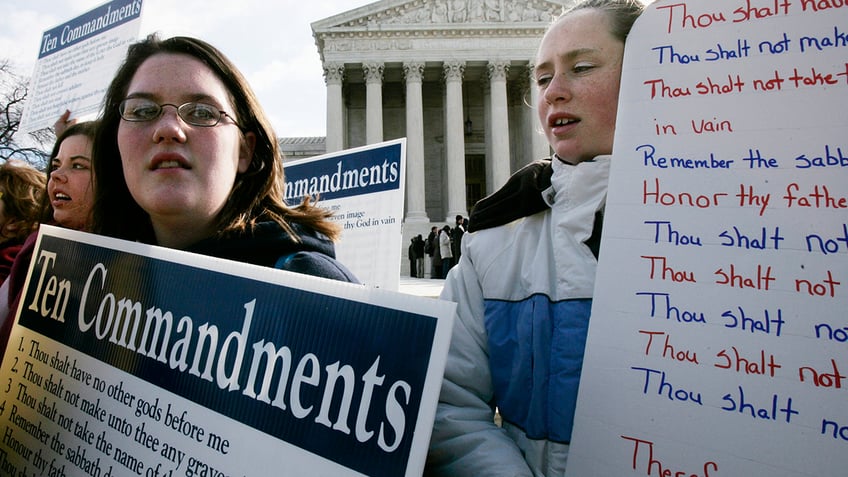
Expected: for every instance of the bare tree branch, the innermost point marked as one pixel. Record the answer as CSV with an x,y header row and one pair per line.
x,y
33,148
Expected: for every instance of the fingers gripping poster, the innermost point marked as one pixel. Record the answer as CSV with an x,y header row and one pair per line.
x,y
718,344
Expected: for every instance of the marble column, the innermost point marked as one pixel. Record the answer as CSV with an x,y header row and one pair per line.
x,y
486,88
454,141
413,73
497,167
333,77
540,148
373,73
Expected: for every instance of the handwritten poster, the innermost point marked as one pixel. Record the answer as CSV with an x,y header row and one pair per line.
x,y
718,344
128,359
364,188
76,62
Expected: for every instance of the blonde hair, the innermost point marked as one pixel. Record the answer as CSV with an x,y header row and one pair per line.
x,y
622,14
22,187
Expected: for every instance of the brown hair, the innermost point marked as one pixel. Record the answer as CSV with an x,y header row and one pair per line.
x,y
258,193
22,186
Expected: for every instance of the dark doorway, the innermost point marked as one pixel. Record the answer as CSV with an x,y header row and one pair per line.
x,y
475,179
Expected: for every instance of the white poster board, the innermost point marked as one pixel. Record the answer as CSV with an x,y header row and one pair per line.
x,y
364,187
717,345
128,359
76,63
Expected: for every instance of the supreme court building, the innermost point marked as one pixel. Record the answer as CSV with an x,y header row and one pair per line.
x,y
452,76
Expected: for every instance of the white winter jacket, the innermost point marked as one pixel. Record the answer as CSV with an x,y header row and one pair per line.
x,y
524,295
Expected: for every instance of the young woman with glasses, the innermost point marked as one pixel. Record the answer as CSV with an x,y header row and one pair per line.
x,y
186,158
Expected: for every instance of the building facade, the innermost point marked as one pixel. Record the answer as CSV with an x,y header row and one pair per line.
x,y
455,77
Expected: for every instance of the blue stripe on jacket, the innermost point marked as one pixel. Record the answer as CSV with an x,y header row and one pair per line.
x,y
535,355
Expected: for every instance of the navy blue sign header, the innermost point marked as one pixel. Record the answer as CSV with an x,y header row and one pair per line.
x,y
356,173
90,24
339,378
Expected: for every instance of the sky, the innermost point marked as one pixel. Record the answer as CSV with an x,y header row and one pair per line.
x,y
270,41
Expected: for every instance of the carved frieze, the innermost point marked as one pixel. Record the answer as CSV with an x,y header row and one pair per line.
x,y
395,31
462,11
441,43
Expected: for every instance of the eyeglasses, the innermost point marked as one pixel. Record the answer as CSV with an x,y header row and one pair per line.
x,y
140,110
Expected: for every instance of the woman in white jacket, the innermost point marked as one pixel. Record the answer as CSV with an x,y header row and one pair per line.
x,y
525,280
445,249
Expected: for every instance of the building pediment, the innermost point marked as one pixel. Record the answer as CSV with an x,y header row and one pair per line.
x,y
389,14
404,25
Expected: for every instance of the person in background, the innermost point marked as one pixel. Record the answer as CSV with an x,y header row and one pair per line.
x,y
456,238
418,252
431,249
445,249
65,202
21,186
70,195
524,287
186,158
410,253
